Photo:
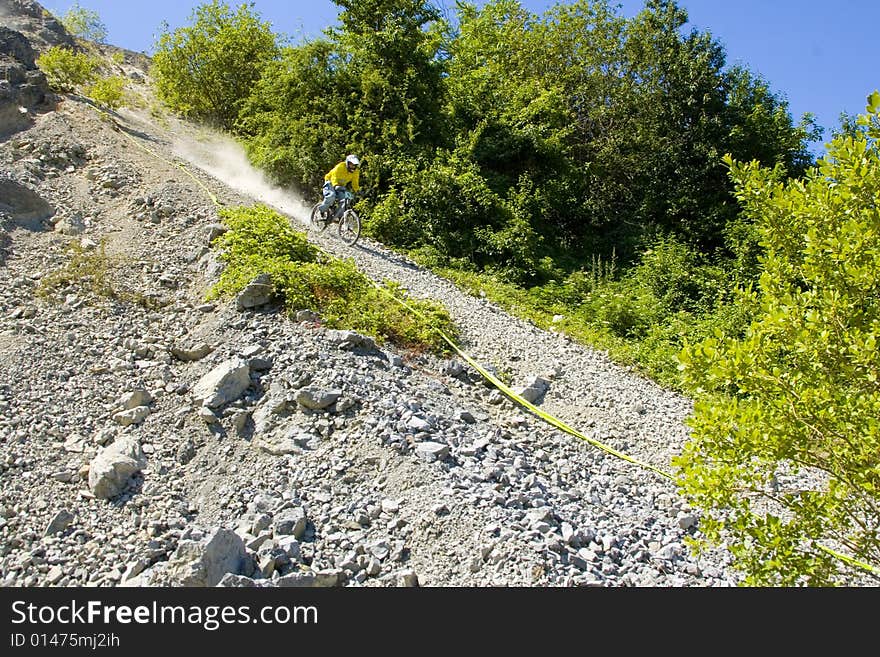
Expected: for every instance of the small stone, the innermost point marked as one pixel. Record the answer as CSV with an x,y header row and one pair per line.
x,y
193,352
390,506
291,522
59,523
686,521
134,569
258,292
316,399
307,316
431,451
409,578
54,575
132,416
207,415
379,550
135,398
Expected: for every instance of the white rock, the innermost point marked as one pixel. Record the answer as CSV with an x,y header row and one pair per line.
x,y
202,563
223,384
111,469
134,416
135,398
431,451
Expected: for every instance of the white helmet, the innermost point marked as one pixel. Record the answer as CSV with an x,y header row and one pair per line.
x,y
353,160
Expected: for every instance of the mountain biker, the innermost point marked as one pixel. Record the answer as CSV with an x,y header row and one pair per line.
x,y
345,173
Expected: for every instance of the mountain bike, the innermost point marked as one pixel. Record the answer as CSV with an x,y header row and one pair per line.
x,y
340,211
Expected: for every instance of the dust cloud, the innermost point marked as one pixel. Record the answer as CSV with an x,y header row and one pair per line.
x,y
225,159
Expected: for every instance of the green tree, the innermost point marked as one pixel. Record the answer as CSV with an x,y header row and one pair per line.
x,y
392,47
206,70
84,24
799,393
618,123
294,120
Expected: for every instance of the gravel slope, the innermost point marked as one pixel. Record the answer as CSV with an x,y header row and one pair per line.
x,y
152,438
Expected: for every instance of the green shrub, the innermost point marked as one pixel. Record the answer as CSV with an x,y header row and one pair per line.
x,y
798,392
624,308
92,272
65,69
375,313
109,92
677,276
88,270
261,241
206,70
261,231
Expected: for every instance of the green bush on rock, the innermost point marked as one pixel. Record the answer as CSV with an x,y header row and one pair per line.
x,y
261,241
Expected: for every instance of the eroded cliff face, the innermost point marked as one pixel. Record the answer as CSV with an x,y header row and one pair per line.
x,y
39,26
26,29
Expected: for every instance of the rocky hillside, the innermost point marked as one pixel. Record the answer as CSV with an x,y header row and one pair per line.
x,y
148,437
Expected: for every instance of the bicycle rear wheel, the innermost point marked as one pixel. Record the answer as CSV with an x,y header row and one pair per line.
x,y
349,227
315,219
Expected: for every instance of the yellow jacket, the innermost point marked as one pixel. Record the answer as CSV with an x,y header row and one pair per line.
x,y
340,176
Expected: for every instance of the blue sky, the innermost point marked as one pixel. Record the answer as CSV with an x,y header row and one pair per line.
x,y
821,56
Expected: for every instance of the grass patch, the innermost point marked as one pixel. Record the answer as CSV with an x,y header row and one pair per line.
x,y
540,308
261,241
91,272
624,317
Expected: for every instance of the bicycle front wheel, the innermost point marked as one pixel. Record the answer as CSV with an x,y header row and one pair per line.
x,y
349,227
315,219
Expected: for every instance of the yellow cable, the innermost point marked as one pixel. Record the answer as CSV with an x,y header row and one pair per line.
x,y
564,427
850,560
559,424
210,194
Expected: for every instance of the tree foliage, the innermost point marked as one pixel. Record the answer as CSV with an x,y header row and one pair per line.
x,y
66,70
373,86
285,120
390,48
206,70
624,119
84,24
588,130
799,393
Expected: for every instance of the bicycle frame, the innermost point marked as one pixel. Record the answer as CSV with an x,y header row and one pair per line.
x,y
343,202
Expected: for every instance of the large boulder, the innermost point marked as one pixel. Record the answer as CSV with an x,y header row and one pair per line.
x,y
203,563
223,384
113,466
